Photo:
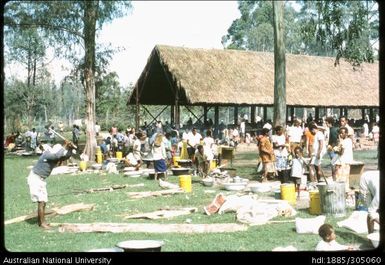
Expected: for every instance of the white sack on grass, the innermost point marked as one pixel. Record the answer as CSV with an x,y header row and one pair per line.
x,y
234,202
357,222
111,168
260,213
288,248
309,225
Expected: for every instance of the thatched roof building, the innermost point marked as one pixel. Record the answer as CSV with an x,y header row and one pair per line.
x,y
231,77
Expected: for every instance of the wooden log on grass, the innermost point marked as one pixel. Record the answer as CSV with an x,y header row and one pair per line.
x,y
144,194
164,213
54,211
150,228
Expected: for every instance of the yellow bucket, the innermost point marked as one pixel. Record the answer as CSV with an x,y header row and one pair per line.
x,y
99,158
315,202
83,165
185,182
213,164
119,155
175,160
288,193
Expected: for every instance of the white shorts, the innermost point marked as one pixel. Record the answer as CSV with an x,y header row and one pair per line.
x,y
37,188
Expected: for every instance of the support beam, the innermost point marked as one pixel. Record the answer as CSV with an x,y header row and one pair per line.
x,y
363,113
252,114
155,118
172,114
264,113
317,114
216,122
236,115
198,118
204,114
177,117
137,117
342,112
371,115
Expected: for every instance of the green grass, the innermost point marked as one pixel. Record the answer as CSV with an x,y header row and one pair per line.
x,y
113,206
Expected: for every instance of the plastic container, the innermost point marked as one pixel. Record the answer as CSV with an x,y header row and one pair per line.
x,y
315,202
213,164
83,165
277,194
99,158
288,193
119,155
185,182
175,160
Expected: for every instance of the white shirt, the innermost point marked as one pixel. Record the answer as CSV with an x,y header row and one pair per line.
x,y
295,134
208,142
370,189
330,246
347,155
194,140
279,140
319,136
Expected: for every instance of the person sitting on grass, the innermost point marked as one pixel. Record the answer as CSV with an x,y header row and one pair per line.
x,y
328,242
41,171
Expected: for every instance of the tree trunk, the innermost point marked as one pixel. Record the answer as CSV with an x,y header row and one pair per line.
x,y
90,17
279,66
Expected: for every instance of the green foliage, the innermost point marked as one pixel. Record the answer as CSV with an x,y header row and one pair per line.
x,y
345,29
254,29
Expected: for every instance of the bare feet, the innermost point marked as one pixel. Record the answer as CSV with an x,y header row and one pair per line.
x,y
45,226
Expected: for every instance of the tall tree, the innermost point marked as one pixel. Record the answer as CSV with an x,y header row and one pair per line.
x,y
69,25
279,65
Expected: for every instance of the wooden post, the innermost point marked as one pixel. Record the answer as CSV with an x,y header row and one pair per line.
x,y
317,114
137,117
204,114
264,113
363,113
371,115
216,116
252,111
341,112
236,115
172,115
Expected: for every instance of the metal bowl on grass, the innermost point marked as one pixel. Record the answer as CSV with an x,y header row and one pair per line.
x,y
208,182
141,245
177,171
231,186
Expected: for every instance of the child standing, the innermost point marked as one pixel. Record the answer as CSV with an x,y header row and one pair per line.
x,y
202,163
159,156
328,242
266,153
298,168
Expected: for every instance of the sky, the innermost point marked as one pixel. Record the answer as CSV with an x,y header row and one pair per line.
x,y
195,24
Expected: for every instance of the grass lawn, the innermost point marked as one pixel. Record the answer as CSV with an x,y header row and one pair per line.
x,y
113,206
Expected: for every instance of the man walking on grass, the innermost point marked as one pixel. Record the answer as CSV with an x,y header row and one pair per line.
x,y
50,158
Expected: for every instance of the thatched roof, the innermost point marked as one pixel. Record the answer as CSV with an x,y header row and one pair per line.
x,y
232,77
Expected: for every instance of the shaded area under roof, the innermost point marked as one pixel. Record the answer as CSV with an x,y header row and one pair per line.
x,y
233,77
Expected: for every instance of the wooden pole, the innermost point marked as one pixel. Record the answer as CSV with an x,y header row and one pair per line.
x,y
252,111
236,115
